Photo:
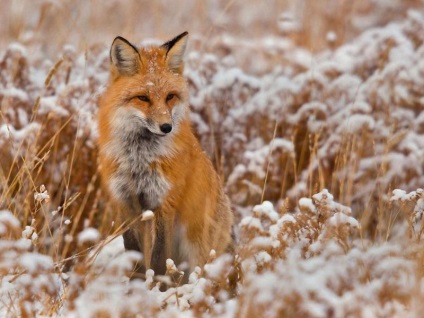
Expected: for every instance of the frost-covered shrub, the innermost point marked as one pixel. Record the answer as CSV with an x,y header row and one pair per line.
x,y
352,121
28,285
357,283
412,204
104,291
311,264
47,136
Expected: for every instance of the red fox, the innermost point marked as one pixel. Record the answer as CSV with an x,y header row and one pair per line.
x,y
151,160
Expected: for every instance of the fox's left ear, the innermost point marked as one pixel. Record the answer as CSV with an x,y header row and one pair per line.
x,y
175,49
124,57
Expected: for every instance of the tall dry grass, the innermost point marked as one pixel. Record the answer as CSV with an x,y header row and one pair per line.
x,y
274,117
47,26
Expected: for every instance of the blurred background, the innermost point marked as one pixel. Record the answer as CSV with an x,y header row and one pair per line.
x,y
47,25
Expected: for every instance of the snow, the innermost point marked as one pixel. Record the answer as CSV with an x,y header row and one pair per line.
x,y
331,36
358,122
88,235
399,194
262,257
402,195
266,209
17,135
114,246
170,266
251,223
324,197
7,221
340,218
49,104
34,263
13,92
306,203
30,233
147,215
42,195
218,268
18,49
194,276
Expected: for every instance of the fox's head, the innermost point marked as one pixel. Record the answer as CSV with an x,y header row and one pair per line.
x,y
147,90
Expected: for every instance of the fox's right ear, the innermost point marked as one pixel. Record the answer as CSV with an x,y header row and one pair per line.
x,y
124,57
175,49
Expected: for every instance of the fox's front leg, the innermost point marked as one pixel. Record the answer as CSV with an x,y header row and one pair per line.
x,y
163,231
139,238
132,243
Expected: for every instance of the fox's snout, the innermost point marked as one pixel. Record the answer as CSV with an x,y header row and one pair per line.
x,y
159,125
166,128
160,128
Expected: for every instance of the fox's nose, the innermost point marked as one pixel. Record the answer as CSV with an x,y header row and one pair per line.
x,y
166,128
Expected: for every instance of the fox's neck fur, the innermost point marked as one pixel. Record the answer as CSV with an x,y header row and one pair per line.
x,y
136,141
137,153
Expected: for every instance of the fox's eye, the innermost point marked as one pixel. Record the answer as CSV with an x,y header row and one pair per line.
x,y
143,98
170,97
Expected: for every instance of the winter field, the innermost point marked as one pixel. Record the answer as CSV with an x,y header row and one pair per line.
x,y
312,113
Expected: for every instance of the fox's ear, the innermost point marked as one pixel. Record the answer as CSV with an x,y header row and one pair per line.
x,y
175,49
124,57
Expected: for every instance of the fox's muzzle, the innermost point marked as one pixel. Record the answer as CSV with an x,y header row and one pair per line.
x,y
166,128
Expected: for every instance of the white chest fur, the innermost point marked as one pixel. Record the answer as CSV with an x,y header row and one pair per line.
x,y
134,150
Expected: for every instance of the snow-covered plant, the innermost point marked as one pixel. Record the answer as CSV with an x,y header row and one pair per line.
x,y
413,203
311,264
28,285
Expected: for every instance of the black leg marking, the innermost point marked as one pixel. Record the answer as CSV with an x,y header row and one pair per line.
x,y
159,251
130,241
142,200
131,244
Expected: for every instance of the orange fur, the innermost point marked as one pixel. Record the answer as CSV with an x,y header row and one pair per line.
x,y
194,199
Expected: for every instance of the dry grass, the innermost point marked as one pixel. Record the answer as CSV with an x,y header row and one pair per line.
x,y
281,118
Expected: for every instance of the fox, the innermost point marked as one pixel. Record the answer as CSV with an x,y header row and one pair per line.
x,y
150,159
